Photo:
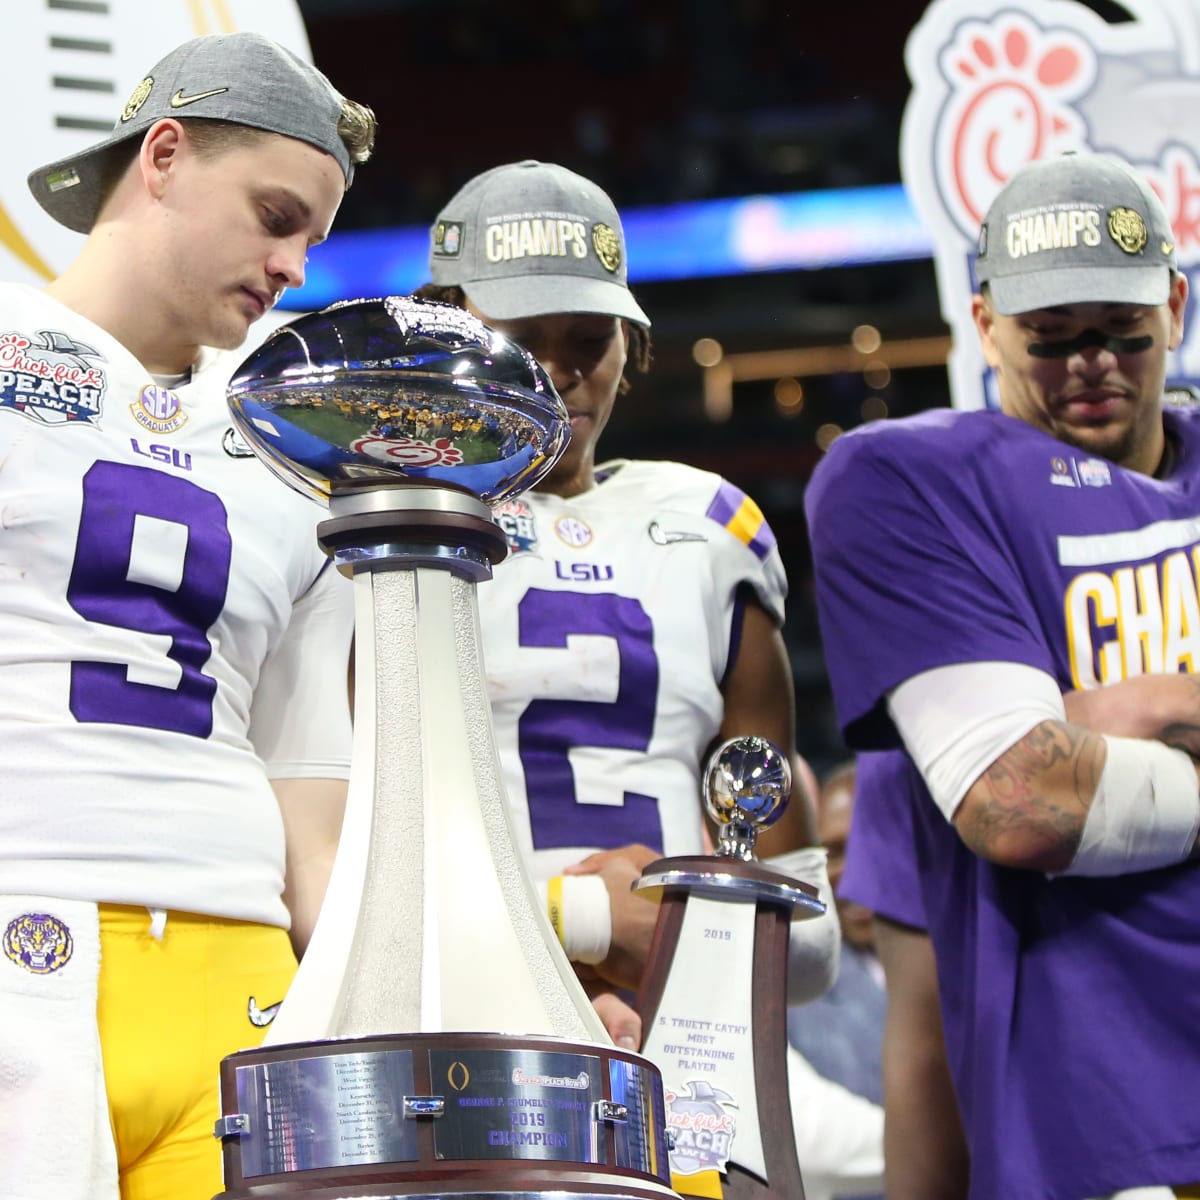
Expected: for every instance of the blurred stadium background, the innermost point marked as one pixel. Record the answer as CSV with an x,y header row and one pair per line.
x,y
664,102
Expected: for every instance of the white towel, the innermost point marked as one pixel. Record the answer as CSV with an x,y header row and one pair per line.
x,y
58,1142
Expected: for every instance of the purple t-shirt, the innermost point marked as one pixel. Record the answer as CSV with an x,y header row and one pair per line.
x,y
880,870
1071,1006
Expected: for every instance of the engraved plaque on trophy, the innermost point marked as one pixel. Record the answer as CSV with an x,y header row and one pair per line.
x,y
713,998
436,1042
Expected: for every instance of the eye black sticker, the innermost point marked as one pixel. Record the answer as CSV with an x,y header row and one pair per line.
x,y
1088,338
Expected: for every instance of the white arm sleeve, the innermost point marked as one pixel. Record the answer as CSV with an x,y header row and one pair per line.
x,y
814,945
956,721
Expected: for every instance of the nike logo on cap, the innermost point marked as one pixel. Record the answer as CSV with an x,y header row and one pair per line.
x,y
179,100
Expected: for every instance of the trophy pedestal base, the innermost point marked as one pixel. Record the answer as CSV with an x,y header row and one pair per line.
x,y
546,1189
473,1116
716,980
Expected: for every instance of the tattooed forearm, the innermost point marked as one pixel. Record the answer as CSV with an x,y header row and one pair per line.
x,y
1028,808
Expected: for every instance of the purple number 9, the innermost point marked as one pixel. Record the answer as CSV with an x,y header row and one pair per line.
x,y
548,729
114,496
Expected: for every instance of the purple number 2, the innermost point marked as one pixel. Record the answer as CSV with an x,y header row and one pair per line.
x,y
548,729
100,589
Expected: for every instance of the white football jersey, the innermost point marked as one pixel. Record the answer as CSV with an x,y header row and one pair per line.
x,y
607,633
162,597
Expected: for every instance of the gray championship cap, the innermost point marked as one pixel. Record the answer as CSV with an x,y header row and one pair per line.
x,y
243,78
1073,229
531,238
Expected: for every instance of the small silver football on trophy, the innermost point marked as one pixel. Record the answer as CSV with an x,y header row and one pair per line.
x,y
398,390
746,787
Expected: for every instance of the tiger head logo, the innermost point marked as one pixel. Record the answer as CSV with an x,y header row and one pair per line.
x,y
607,244
38,942
1127,228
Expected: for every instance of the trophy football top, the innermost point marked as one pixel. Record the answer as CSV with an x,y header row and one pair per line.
x,y
396,390
747,784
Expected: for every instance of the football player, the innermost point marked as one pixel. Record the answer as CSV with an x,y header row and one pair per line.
x,y
636,621
972,568
172,678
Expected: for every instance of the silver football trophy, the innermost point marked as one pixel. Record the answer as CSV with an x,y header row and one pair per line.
x,y
436,1042
713,998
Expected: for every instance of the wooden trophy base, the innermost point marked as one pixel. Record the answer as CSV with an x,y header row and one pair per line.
x,y
747,993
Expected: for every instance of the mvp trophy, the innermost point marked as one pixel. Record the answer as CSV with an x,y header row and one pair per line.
x,y
714,996
436,1042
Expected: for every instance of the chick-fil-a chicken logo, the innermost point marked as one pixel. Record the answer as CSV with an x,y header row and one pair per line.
x,y
1012,87
999,83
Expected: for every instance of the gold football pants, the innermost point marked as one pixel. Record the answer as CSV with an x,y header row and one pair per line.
x,y
169,1010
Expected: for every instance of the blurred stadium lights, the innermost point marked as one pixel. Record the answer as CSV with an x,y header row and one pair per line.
x,y
874,408
787,232
789,396
877,374
827,434
866,339
813,360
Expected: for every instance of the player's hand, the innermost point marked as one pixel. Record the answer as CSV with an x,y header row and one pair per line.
x,y
633,915
1163,707
620,1021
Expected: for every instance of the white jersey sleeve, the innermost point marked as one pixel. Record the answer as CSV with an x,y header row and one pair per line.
x,y
607,635
300,717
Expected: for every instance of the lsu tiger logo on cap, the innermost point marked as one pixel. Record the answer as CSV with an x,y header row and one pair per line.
x,y
38,943
1128,230
137,98
607,245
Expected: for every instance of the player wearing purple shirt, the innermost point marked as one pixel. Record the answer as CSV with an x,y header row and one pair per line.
x,y
972,567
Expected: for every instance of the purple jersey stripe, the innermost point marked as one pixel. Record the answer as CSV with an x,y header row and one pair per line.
x,y
725,503
764,541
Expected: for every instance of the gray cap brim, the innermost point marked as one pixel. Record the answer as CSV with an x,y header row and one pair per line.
x,y
539,295
1150,285
75,200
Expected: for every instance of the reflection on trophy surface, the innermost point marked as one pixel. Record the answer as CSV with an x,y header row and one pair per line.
x,y
436,1042
714,996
